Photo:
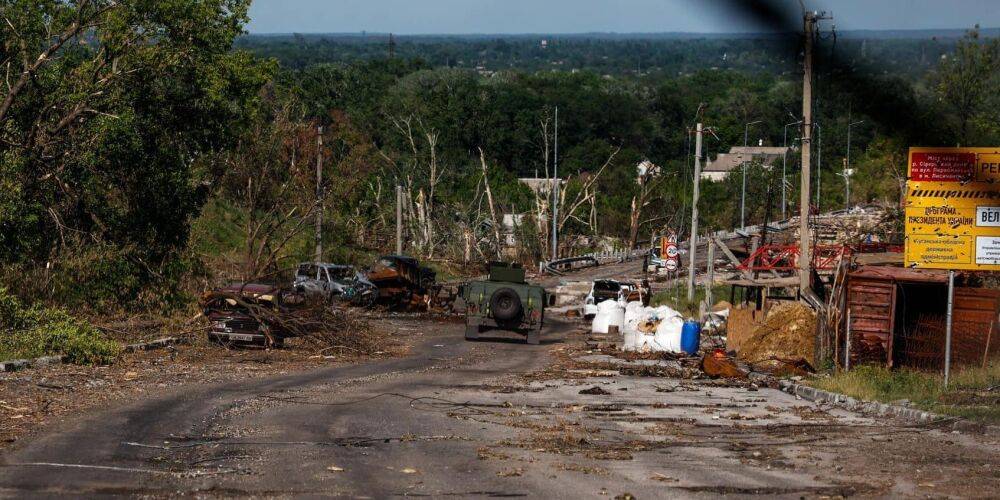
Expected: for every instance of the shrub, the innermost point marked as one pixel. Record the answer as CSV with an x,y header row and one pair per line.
x,y
29,332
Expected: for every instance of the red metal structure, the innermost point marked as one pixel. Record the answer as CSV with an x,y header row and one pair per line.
x,y
785,257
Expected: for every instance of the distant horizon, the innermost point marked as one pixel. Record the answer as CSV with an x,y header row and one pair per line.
x,y
713,34
564,17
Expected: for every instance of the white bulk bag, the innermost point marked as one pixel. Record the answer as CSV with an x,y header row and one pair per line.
x,y
668,335
634,312
609,313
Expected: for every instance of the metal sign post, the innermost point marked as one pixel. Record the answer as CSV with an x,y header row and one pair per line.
x,y
947,327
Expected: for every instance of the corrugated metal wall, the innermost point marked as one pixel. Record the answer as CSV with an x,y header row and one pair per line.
x,y
874,332
871,304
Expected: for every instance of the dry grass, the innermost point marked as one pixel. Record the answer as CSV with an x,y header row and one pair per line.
x,y
973,392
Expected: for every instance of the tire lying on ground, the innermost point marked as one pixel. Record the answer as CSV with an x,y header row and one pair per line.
x,y
505,305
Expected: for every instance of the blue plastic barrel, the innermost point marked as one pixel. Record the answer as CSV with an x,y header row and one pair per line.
x,y
691,337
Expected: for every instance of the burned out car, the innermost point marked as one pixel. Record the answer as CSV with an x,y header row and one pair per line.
x,y
334,282
601,290
400,279
247,313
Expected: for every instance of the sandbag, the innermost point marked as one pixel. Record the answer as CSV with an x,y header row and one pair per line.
x,y
634,311
609,313
668,335
632,339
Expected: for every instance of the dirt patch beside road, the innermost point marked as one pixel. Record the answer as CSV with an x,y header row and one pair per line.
x,y
34,399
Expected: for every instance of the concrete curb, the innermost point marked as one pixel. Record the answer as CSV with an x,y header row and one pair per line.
x,y
153,344
881,409
20,364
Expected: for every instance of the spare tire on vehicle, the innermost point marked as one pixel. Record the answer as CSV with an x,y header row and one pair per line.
x,y
505,305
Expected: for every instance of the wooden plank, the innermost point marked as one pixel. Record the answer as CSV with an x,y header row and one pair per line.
x,y
732,258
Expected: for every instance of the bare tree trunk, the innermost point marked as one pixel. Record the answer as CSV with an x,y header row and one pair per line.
x,y
467,237
429,202
489,199
633,218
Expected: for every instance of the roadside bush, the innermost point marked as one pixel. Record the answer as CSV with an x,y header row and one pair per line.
x,y
101,279
29,332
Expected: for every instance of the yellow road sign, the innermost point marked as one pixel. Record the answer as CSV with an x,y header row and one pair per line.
x,y
953,209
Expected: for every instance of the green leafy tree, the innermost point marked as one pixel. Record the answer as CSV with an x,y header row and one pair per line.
x,y
113,119
968,81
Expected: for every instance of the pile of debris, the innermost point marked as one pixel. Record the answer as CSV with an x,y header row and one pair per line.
x,y
786,336
265,315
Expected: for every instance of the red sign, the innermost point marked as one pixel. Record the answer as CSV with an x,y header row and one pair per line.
x,y
942,167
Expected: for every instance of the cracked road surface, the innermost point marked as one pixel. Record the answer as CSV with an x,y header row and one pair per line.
x,y
496,418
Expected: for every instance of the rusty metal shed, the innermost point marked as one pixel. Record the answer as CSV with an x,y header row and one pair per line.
x,y
896,317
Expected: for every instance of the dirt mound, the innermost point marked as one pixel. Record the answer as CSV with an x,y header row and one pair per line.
x,y
787,333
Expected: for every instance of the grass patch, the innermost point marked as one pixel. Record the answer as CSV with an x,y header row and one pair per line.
x,y
31,332
675,297
973,393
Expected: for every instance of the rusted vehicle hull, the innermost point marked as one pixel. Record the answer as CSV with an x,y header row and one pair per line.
x,y
247,314
401,281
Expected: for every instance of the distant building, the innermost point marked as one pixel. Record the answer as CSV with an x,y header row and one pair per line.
x,y
539,185
508,233
646,170
718,169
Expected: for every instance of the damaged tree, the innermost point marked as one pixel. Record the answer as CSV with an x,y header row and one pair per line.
x,y
419,173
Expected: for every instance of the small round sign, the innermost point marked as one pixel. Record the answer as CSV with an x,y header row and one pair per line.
x,y
672,251
670,264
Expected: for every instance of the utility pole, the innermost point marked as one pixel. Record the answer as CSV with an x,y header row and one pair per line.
x,y
819,166
555,190
743,196
784,162
319,194
710,271
847,185
399,220
847,164
805,259
693,239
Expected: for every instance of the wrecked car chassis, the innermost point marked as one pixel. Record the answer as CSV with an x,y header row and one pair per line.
x,y
249,314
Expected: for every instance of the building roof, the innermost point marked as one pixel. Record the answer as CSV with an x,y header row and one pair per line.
x,y
540,185
725,162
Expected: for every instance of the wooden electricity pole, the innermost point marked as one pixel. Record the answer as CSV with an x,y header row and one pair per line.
x,y
693,240
555,191
809,19
319,194
399,220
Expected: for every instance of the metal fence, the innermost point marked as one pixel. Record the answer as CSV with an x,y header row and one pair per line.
x,y
922,347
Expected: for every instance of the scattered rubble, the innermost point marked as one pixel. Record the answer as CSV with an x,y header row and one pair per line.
x,y
717,364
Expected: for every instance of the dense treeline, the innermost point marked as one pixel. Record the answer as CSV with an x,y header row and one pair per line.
x,y
664,55
144,158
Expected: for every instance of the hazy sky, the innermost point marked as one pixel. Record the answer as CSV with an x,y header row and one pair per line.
x,y
576,16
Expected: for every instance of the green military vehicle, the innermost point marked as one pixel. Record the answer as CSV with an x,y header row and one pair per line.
x,y
504,302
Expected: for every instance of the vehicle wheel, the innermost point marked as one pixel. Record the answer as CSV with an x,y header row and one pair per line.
x,y
471,332
365,298
505,305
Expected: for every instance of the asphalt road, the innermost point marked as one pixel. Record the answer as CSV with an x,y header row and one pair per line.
x,y
145,448
458,418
